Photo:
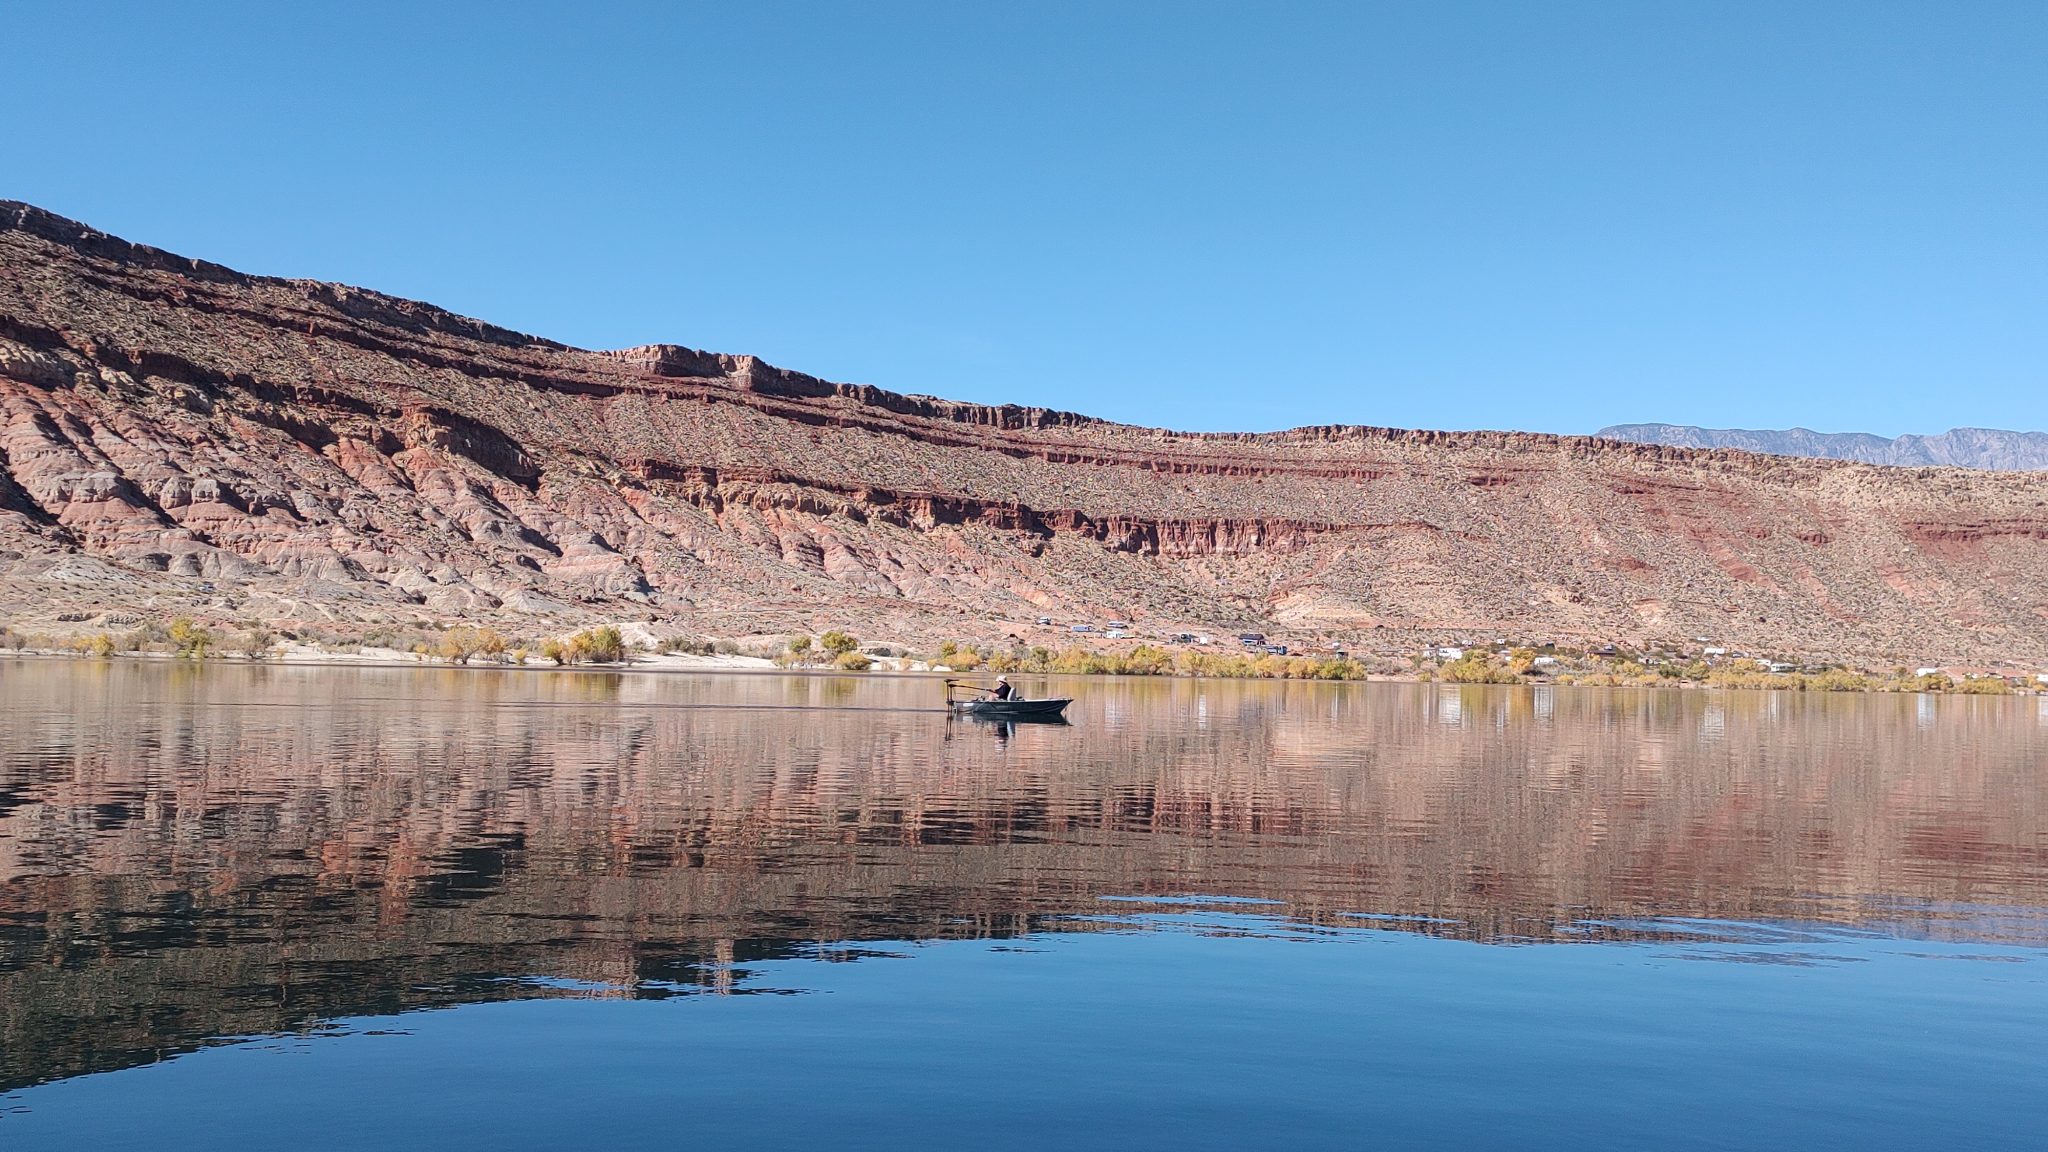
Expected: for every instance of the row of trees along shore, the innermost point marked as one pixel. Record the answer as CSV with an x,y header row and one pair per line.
x,y
460,644
839,650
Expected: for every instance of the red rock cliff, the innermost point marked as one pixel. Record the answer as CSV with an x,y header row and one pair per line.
x,y
174,433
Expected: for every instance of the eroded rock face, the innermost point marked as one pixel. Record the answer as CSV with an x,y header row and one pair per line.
x,y
297,450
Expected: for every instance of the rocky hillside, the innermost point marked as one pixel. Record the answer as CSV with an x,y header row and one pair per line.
x,y
182,437
1989,448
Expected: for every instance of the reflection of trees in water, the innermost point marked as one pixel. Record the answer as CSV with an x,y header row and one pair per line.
x,y
189,851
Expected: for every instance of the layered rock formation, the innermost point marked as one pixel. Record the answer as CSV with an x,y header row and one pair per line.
x,y
180,436
1992,448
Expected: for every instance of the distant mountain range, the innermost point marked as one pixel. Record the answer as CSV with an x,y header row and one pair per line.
x,y
1988,448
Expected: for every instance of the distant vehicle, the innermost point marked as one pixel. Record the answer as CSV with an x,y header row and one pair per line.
x,y
1276,649
1082,628
1115,634
1450,653
1118,625
1205,639
1043,620
1251,639
1183,638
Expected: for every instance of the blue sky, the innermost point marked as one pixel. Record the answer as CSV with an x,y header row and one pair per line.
x,y
1549,216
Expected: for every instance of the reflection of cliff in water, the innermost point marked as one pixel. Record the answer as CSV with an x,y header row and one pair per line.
x,y
189,852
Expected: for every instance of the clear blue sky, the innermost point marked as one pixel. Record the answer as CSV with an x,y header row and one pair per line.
x,y
1549,216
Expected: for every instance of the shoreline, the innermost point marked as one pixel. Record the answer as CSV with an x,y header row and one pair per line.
x,y
670,664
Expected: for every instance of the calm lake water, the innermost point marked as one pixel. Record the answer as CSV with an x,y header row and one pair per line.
x,y
377,908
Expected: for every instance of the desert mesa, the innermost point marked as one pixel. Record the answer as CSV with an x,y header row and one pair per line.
x,y
180,437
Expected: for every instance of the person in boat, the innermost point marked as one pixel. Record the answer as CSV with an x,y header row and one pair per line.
x,y
1002,690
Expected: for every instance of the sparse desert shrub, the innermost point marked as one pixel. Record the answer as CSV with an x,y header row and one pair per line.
x,y
256,642
1216,665
190,640
1481,668
837,642
100,645
399,638
12,640
1839,680
601,645
1985,686
852,662
462,644
1147,660
799,645
554,650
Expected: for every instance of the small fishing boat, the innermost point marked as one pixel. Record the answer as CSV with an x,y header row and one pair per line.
x,y
1014,708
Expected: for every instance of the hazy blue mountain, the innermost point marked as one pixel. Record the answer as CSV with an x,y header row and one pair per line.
x,y
1988,448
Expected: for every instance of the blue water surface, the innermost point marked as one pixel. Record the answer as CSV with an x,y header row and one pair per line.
x,y
251,908
1183,1029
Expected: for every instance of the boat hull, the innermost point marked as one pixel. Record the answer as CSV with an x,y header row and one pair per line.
x,y
1013,709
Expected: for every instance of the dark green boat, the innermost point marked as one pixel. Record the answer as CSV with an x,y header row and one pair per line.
x,y
1012,709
